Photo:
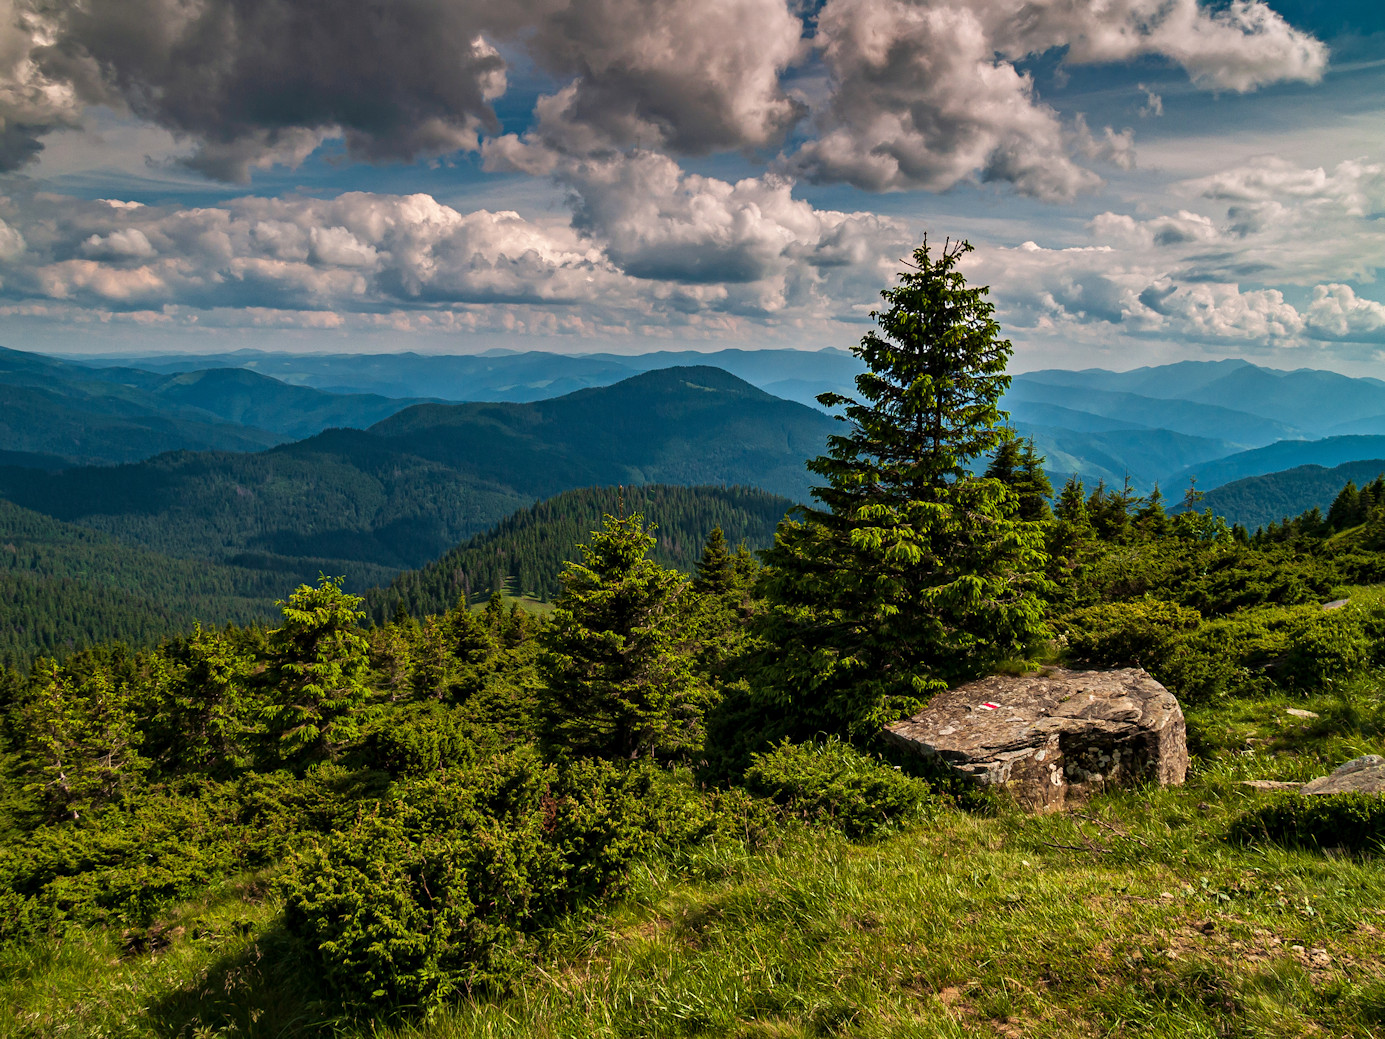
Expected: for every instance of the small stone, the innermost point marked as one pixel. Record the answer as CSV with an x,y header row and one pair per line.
x,y
1319,958
1297,948
1298,712
1335,604
1269,784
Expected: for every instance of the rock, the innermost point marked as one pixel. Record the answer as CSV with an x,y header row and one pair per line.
x,y
1299,712
1053,735
1363,775
1335,604
1269,784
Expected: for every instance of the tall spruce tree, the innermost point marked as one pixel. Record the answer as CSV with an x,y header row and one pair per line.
x,y
915,574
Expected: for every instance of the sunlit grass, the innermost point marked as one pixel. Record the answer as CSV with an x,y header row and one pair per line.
x,y
1132,915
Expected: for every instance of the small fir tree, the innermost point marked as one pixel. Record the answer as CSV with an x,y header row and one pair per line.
x,y
617,684
318,666
915,573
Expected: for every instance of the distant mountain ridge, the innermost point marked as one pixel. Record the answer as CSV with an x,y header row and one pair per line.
x,y
371,502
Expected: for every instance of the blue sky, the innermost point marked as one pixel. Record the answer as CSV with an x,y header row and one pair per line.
x,y
1144,180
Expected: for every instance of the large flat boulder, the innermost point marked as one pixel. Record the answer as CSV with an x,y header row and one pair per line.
x,y
1055,734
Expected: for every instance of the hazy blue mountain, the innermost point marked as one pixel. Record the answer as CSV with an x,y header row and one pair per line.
x,y
518,377
248,398
432,475
1257,501
1311,402
52,411
1237,427
1143,455
1059,417
1287,454
73,425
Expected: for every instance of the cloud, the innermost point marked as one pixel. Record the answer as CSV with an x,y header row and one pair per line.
x,y
256,82
1239,46
648,244
919,93
925,94
689,76
1337,312
919,101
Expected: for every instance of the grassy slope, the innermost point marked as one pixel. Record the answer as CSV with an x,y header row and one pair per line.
x,y
1130,916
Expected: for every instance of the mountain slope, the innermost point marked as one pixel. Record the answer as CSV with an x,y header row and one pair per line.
x,y
674,425
80,415
1239,427
526,551
367,504
1287,454
1258,501
63,587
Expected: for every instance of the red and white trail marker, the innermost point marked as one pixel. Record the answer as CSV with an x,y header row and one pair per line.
x,y
988,706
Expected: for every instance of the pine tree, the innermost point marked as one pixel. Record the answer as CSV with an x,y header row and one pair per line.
x,y
319,664
916,573
716,570
617,685
1032,484
1342,512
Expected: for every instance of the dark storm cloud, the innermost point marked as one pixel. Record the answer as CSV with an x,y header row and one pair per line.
x,y
258,81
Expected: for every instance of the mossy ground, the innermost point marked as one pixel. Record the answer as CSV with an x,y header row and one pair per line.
x,y
1130,915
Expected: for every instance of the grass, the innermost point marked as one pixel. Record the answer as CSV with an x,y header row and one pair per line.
x,y
1131,916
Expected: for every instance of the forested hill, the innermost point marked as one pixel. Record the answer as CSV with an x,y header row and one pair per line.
x,y
63,588
526,552
367,504
1258,501
674,425
54,411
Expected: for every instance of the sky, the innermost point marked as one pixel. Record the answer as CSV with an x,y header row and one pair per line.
x,y
1143,181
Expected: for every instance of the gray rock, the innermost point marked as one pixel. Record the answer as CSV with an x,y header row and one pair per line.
x,y
1363,775
1270,784
1335,604
1055,734
1299,712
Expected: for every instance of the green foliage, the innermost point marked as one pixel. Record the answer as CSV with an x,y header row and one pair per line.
x,y
617,683
318,664
1137,633
439,890
82,747
1354,822
525,553
831,783
916,574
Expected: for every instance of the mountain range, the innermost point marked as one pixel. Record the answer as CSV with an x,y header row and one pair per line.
x,y
367,503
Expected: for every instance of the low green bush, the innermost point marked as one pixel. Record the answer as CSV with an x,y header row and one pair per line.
x,y
1139,633
439,889
1355,822
417,740
833,783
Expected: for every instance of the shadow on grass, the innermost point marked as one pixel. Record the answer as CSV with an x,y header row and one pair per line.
x,y
267,989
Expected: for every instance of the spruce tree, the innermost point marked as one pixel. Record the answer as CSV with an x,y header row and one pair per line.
x,y
318,667
617,683
915,573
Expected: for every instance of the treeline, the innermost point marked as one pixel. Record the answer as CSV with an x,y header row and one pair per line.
x,y
525,553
